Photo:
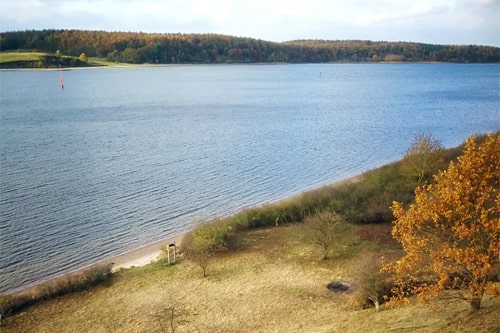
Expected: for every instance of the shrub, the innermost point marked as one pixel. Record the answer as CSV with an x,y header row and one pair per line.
x,y
368,200
371,284
423,158
203,242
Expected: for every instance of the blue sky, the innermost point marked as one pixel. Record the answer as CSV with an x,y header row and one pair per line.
x,y
427,21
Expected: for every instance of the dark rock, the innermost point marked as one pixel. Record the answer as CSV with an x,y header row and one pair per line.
x,y
339,287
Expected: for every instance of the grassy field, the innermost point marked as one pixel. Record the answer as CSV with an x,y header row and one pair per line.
x,y
94,61
31,57
273,282
20,56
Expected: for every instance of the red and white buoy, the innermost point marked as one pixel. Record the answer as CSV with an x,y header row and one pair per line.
x,y
61,77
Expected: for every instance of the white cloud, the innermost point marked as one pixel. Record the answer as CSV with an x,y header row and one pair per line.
x,y
401,14
488,2
436,21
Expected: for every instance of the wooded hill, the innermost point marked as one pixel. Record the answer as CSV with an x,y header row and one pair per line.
x,y
138,48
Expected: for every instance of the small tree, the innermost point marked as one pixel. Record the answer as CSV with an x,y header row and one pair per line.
x,y
201,244
58,54
83,57
423,158
169,314
324,228
451,233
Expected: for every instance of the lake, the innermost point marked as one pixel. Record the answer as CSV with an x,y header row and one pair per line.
x,y
123,157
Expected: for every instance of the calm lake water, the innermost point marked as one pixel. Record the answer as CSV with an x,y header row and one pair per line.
x,y
124,157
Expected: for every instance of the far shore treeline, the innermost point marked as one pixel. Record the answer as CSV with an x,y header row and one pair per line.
x,y
176,48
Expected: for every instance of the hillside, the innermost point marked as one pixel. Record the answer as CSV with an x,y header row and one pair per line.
x,y
270,275
138,48
274,282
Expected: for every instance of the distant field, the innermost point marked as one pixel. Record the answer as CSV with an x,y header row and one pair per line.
x,y
6,57
29,57
20,56
94,61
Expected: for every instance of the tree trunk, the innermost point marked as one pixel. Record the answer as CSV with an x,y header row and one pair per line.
x,y
477,296
475,303
374,300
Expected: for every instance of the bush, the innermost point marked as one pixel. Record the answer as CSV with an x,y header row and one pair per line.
x,y
371,284
203,242
368,200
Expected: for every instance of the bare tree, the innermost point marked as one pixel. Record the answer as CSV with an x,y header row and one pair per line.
x,y
168,318
324,229
423,158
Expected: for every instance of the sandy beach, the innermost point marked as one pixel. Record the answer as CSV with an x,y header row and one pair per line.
x,y
143,255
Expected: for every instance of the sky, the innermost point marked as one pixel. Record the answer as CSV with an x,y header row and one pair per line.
x,y
461,22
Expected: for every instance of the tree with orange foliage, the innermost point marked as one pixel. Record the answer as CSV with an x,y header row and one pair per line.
x,y
451,233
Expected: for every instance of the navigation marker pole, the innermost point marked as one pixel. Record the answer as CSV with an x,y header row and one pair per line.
x,y
61,77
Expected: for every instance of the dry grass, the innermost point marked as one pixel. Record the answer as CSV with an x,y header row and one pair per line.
x,y
274,283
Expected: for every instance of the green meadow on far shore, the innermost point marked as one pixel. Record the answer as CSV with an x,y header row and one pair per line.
x,y
38,60
20,56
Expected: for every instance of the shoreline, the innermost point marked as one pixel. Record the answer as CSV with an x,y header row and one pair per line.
x,y
138,257
149,253
146,65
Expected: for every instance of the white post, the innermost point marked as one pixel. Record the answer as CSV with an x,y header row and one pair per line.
x,y
175,252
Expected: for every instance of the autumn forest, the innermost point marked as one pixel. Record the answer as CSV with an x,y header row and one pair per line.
x,y
139,48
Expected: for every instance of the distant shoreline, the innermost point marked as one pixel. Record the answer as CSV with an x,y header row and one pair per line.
x,y
168,48
126,66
